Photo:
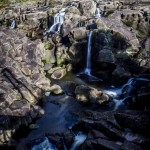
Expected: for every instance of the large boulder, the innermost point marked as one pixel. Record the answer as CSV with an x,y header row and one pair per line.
x,y
137,21
22,81
78,34
136,121
120,76
61,55
58,74
89,94
87,7
77,54
56,89
105,56
69,87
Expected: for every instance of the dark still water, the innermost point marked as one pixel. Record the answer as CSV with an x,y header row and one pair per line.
x,y
60,114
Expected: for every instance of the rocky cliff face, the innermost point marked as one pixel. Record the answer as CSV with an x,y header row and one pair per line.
x,y
23,81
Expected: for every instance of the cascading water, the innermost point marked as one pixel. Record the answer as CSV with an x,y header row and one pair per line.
x,y
58,21
13,24
98,13
45,145
88,58
79,139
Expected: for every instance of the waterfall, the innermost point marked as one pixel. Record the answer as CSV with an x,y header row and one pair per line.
x,y
45,145
118,103
88,58
58,21
79,139
98,13
13,24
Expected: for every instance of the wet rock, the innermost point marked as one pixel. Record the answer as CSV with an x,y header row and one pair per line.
x,y
106,144
67,26
49,57
134,120
98,97
137,21
49,45
33,126
95,116
56,39
95,134
16,105
69,67
120,76
27,95
48,67
61,55
89,94
91,26
130,146
136,92
105,56
22,78
68,138
87,7
73,10
69,87
77,54
82,93
56,89
36,111
78,34
89,144
58,74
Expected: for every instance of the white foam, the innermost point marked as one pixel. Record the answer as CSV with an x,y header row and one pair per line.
x,y
45,145
47,93
79,139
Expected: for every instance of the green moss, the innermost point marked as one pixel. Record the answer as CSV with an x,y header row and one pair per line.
x,y
48,45
49,57
50,12
108,13
128,23
18,97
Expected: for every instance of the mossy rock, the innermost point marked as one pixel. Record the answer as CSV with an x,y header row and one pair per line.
x,y
109,12
128,23
48,45
49,57
61,61
51,12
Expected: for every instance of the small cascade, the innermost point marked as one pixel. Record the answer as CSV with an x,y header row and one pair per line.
x,y
129,88
115,93
45,145
98,13
79,139
13,24
88,58
65,148
58,21
118,103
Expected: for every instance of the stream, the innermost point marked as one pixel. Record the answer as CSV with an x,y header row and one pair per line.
x,y
61,112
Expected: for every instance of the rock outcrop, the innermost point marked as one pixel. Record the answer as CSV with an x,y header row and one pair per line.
x,y
23,81
29,55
